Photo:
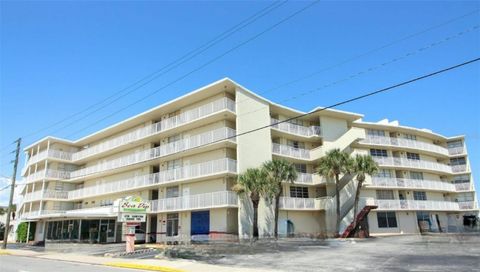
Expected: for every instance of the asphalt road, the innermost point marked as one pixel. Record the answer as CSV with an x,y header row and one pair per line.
x,y
9,263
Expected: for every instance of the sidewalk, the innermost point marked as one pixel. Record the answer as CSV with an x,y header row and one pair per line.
x,y
177,265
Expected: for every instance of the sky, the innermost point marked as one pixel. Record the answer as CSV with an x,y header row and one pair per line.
x,y
58,58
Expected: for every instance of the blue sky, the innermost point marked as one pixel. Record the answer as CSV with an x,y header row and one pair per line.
x,y
58,58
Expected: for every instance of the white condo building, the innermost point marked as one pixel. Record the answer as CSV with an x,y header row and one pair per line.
x,y
182,157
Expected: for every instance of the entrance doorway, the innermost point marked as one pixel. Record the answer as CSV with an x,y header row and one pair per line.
x,y
200,223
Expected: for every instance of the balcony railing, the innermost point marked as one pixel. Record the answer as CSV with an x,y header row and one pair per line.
x,y
47,194
294,203
466,186
166,124
466,205
157,152
47,174
285,150
296,129
456,150
403,162
390,141
186,172
459,168
51,153
412,183
416,205
192,202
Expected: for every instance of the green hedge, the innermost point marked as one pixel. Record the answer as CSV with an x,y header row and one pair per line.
x,y
22,232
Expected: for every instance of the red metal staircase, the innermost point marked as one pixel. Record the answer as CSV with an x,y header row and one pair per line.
x,y
360,216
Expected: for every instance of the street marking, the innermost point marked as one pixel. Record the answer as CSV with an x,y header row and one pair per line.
x,y
144,267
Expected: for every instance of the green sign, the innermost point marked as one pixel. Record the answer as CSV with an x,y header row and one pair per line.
x,y
133,204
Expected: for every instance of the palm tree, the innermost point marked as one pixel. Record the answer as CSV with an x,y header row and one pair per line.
x,y
279,171
332,165
363,165
252,183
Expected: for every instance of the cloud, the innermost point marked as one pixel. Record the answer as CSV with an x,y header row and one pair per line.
x,y
5,191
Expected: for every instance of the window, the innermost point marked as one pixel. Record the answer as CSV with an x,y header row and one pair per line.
x,y
413,156
296,122
295,144
417,195
458,161
375,133
410,137
174,164
298,191
462,179
172,191
378,152
385,194
301,168
455,144
386,220
172,224
416,175
384,173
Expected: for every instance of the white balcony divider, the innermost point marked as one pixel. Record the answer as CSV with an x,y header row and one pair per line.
x,y
390,141
394,161
200,201
186,172
153,153
169,123
427,205
294,203
456,150
466,205
459,168
466,186
412,183
286,150
296,129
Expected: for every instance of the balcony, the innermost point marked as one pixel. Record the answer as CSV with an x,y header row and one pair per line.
x,y
166,124
412,184
289,151
311,131
47,174
308,179
157,152
406,143
459,168
466,205
456,150
312,204
51,153
466,186
194,202
419,164
416,205
47,194
174,175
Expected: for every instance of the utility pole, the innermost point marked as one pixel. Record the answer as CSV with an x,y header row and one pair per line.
x,y
12,190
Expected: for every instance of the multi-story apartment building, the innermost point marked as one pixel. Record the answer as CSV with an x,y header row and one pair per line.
x,y
184,158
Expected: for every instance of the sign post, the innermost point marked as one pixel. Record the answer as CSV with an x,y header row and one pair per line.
x,y
132,211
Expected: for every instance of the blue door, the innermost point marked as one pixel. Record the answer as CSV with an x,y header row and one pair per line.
x,y
200,222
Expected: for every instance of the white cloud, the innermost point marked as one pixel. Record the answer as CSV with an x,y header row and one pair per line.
x,y
5,193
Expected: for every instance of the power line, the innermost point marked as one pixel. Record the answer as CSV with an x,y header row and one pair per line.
x,y
177,62
205,64
368,94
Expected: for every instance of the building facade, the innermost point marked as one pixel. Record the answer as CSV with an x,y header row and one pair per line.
x,y
183,156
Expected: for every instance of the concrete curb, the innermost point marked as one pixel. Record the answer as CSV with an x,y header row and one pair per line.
x,y
5,252
144,267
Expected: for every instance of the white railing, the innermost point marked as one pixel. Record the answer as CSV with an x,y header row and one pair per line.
x,y
394,161
304,178
459,168
466,205
36,214
169,123
153,153
390,141
200,201
186,172
51,153
47,174
294,203
456,150
466,186
427,205
38,195
412,183
296,129
286,150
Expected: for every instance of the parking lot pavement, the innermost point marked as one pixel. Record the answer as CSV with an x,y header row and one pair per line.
x,y
398,253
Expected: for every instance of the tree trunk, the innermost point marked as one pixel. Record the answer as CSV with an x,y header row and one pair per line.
x,y
355,206
255,218
277,203
337,193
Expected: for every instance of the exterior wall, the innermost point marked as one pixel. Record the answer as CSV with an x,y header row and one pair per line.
x,y
406,224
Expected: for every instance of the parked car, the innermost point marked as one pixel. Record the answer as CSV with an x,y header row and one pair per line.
x,y
139,235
